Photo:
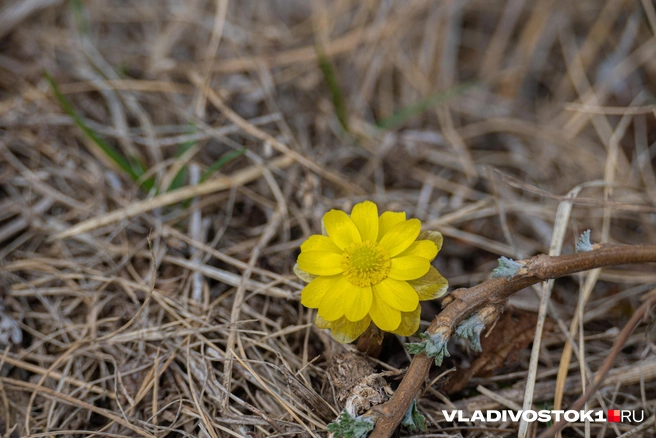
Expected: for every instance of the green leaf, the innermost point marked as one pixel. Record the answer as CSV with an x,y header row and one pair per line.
x,y
432,345
80,17
471,329
132,168
182,175
222,161
584,245
346,426
422,106
332,82
179,179
413,419
416,347
507,268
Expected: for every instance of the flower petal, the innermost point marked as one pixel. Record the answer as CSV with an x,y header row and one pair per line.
x,y
409,322
408,268
433,236
313,293
387,220
365,217
398,294
331,307
317,242
430,286
305,276
320,262
384,316
343,330
357,302
421,248
400,236
341,228
322,323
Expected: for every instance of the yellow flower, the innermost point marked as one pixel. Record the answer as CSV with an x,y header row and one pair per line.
x,y
369,268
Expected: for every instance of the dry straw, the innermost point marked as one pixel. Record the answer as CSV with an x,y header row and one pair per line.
x,y
157,300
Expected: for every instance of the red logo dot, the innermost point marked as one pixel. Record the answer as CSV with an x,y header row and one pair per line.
x,y
614,416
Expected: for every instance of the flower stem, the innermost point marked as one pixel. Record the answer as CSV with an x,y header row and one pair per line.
x,y
371,341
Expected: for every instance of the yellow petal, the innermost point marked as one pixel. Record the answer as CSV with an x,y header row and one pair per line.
x,y
387,220
400,236
313,293
431,286
343,330
398,294
409,322
408,268
305,276
322,323
317,242
331,307
357,302
341,228
365,217
421,248
320,262
433,236
384,316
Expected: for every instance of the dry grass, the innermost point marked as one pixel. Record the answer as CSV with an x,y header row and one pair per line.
x,y
167,313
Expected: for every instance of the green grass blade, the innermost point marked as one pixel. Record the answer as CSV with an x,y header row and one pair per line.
x,y
422,106
179,179
80,18
132,168
336,94
222,161
183,173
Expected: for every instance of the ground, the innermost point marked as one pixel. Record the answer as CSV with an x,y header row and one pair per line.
x,y
162,161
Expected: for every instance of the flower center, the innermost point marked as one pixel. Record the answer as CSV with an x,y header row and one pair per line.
x,y
365,263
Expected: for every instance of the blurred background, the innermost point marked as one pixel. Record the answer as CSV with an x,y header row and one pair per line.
x,y
199,143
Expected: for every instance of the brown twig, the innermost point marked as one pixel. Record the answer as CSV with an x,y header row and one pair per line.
x,y
464,302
